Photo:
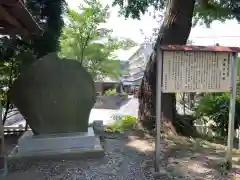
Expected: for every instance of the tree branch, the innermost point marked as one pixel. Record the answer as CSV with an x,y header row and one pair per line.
x,y
84,47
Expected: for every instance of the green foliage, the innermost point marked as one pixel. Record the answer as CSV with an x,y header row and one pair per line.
x,y
48,14
135,9
205,11
121,124
215,106
111,92
84,39
14,56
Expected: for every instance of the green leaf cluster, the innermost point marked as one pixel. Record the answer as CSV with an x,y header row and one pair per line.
x,y
85,39
111,92
205,12
215,106
14,56
48,14
121,124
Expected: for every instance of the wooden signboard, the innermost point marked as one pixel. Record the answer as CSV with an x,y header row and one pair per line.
x,y
189,71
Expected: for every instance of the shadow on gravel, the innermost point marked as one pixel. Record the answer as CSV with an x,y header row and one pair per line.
x,y
121,162
188,159
130,156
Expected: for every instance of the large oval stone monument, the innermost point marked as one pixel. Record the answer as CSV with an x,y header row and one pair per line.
x,y
55,95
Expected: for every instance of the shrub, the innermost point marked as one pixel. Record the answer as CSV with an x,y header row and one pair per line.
x,y
215,106
111,92
121,124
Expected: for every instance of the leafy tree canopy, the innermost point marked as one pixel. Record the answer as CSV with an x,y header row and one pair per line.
x,y
48,14
85,39
205,12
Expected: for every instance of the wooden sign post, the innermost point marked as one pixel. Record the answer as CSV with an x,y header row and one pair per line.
x,y
196,69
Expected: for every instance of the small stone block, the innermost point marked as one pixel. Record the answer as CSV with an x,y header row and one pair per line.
x,y
98,126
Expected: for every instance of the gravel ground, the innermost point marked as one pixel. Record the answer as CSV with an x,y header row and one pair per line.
x,y
121,162
126,158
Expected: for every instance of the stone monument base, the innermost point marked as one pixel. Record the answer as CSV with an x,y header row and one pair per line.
x,y
58,146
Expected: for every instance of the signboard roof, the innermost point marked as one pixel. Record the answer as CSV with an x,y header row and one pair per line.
x,y
200,48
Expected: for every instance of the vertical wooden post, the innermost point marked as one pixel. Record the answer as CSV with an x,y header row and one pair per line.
x,y
231,111
158,110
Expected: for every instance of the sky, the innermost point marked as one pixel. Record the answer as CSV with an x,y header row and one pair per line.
x,y
226,34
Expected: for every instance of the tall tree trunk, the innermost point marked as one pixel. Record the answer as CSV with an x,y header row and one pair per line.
x,y
174,30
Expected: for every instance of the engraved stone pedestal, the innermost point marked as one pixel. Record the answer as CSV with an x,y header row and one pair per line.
x,y
59,146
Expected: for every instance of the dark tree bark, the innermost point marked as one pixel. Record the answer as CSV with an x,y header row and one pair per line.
x,y
174,30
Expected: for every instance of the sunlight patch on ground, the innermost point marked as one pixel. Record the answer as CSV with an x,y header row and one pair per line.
x,y
198,168
215,158
140,145
204,157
